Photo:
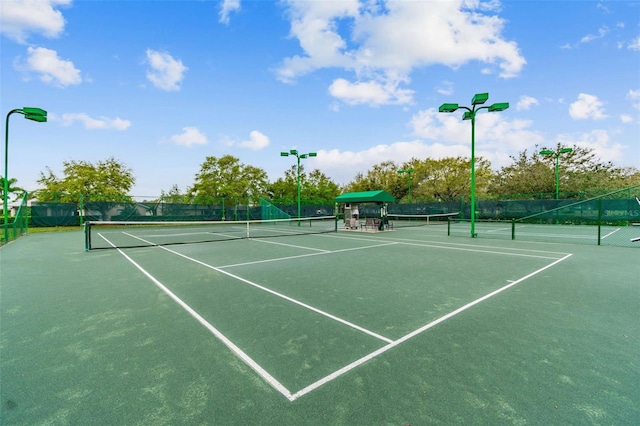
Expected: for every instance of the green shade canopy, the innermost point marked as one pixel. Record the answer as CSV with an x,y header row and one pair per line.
x,y
380,196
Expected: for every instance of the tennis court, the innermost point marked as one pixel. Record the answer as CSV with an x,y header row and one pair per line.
x,y
408,326
621,236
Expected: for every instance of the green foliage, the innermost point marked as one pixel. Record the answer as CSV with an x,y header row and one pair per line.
x,y
526,175
382,176
226,177
579,171
174,196
12,188
107,180
449,178
313,186
444,180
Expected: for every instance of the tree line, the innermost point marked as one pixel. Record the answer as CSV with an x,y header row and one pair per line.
x,y
446,179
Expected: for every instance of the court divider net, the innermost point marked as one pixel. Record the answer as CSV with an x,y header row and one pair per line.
x,y
407,220
128,234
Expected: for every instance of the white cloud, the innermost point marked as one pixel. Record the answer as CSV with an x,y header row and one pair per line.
x,y
438,136
587,107
634,95
377,50
494,132
256,142
95,123
51,69
445,88
342,166
373,93
634,44
21,17
226,8
599,141
526,102
166,73
190,136
626,118
602,31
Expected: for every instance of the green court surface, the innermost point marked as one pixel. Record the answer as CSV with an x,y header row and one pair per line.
x,y
403,327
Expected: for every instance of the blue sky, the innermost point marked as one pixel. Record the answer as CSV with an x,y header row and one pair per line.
x,y
161,85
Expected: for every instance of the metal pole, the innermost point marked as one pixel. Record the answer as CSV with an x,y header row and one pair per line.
x,y
473,175
6,178
557,175
298,157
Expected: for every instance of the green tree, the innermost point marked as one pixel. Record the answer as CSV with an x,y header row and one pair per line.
x,y
381,176
449,179
580,171
226,177
320,187
174,195
526,175
106,180
315,186
12,188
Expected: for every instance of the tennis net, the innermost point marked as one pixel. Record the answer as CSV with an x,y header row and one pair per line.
x,y
128,234
407,220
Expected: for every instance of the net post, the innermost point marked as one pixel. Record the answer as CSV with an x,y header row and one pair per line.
x,y
87,236
599,220
448,227
513,228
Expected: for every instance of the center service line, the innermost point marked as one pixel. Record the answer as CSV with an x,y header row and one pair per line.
x,y
275,293
414,333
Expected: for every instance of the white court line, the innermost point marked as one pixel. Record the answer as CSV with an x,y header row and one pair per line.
x,y
495,230
414,333
291,245
476,249
611,233
278,259
228,343
275,293
391,344
444,244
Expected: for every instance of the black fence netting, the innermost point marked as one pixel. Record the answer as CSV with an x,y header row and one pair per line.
x,y
54,214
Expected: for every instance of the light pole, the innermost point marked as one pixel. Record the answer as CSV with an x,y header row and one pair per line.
x,y
298,156
408,171
34,114
556,154
470,114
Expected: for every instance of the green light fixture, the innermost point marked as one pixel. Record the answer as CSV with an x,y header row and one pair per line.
x,y
556,154
298,156
470,114
30,113
409,172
